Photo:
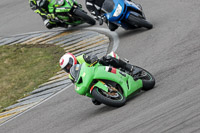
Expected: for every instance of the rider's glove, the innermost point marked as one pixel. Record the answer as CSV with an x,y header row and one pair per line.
x,y
50,16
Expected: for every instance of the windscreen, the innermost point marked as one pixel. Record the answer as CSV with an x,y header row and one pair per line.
x,y
108,5
75,71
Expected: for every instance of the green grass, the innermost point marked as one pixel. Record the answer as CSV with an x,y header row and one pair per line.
x,y
25,67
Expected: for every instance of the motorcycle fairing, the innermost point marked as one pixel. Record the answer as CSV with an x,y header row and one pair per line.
x,y
60,5
128,84
89,74
124,13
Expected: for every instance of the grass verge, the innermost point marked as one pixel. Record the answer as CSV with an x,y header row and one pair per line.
x,y
25,67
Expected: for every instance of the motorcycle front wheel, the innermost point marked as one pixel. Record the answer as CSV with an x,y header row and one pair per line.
x,y
114,99
139,22
83,15
147,78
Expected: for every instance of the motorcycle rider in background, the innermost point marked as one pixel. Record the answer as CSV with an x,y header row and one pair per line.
x,y
94,7
112,59
41,7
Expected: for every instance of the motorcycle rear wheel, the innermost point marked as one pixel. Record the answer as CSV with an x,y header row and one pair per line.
x,y
83,15
140,22
116,100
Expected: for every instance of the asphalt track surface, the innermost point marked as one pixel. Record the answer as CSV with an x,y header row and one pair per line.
x,y
170,51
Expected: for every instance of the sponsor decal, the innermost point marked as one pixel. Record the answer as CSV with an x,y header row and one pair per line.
x,y
111,69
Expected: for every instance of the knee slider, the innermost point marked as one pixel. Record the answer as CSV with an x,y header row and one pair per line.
x,y
48,24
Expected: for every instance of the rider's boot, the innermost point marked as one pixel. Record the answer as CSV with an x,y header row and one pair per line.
x,y
126,66
130,68
49,24
117,63
53,24
64,25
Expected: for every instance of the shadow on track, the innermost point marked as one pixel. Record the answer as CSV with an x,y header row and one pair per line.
x,y
131,32
73,28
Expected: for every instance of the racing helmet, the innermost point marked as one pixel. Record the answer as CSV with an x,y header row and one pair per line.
x,y
67,61
42,3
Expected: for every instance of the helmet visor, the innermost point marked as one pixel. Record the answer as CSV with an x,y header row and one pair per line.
x,y
43,3
69,65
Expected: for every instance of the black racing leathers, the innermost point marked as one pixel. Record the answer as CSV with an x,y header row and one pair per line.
x,y
109,61
41,11
94,7
117,63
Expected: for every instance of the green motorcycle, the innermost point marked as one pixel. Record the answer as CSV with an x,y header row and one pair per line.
x,y
109,85
69,12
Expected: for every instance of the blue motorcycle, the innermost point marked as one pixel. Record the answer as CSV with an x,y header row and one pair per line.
x,y
123,13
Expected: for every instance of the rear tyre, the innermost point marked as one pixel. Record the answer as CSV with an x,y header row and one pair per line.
x,y
84,16
139,22
109,98
147,78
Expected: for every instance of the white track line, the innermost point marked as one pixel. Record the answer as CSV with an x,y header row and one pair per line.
x,y
35,106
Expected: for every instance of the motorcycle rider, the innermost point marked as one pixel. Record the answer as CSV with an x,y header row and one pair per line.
x,y
68,60
94,7
41,7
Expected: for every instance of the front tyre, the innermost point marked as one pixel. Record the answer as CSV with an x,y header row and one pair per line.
x,y
83,15
114,99
147,78
139,22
